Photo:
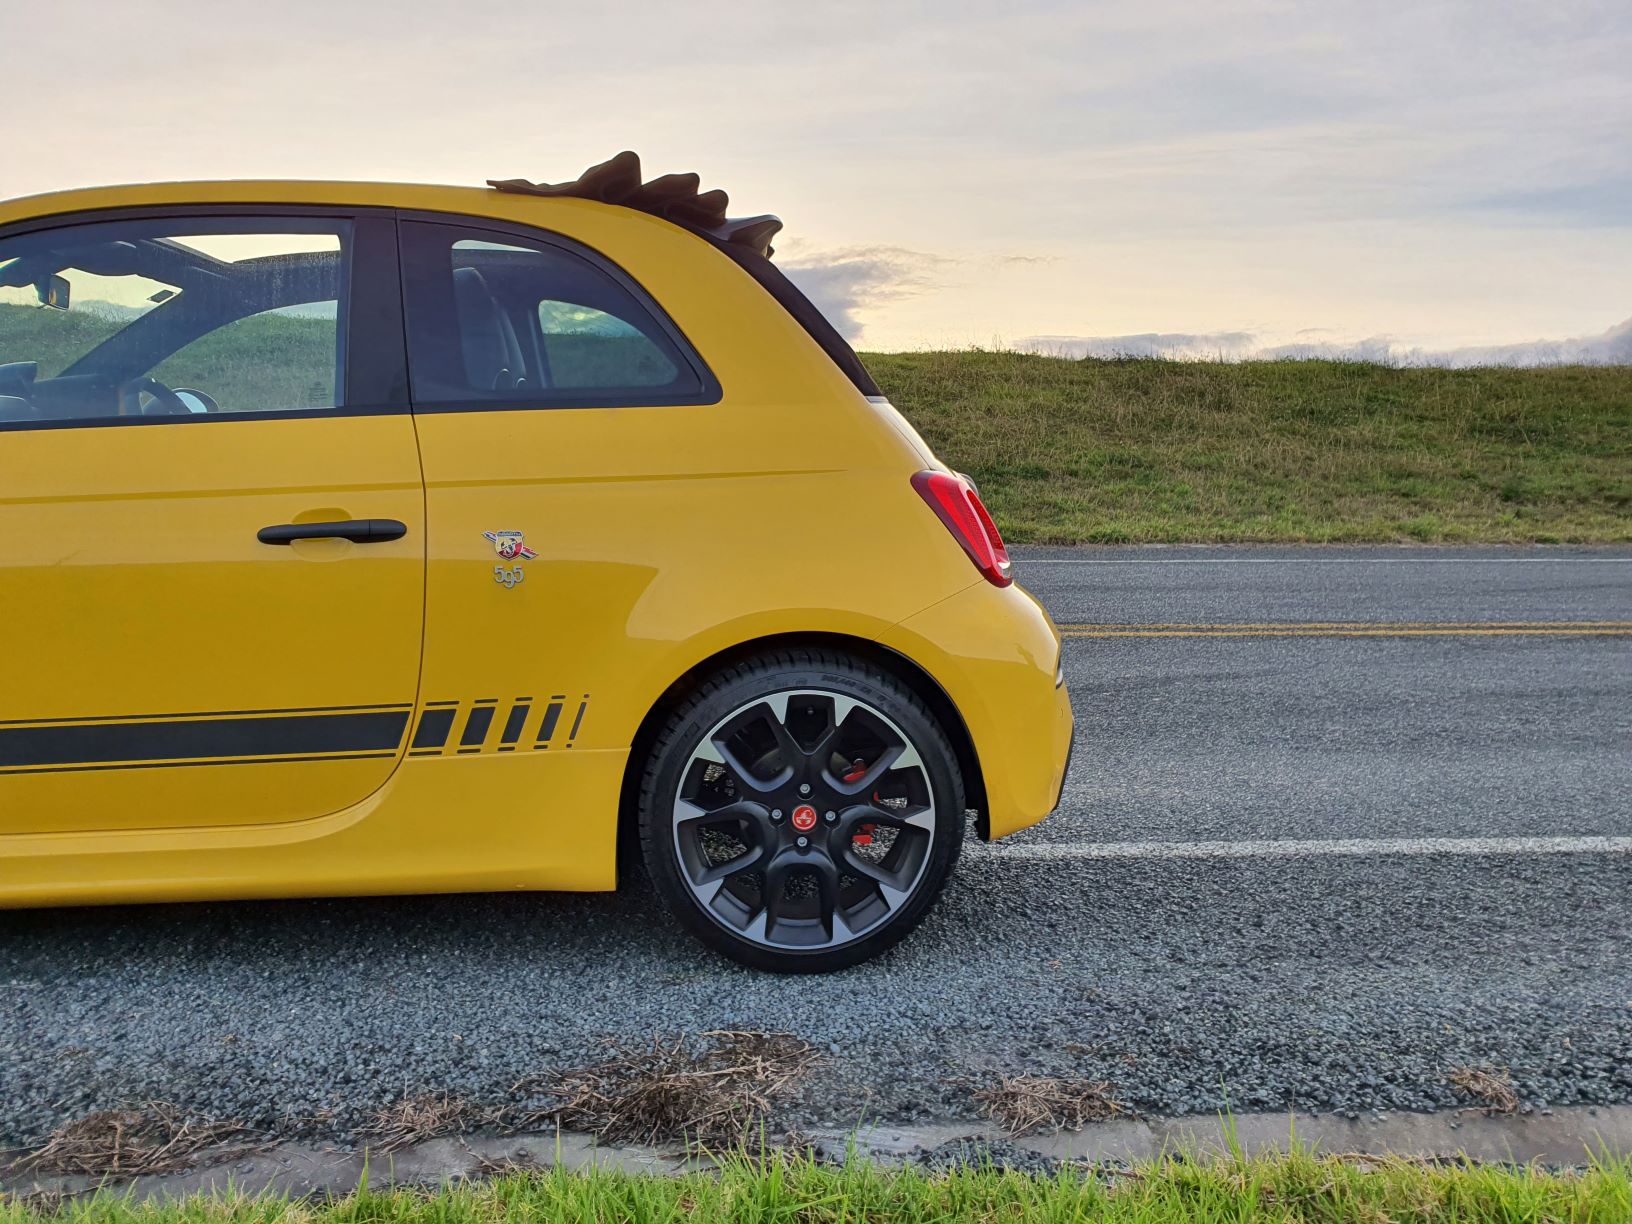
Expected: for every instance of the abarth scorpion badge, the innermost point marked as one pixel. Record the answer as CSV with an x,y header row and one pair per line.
x,y
509,546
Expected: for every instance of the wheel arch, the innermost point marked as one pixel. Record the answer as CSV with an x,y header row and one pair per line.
x,y
923,685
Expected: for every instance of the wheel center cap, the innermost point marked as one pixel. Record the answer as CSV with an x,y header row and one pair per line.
x,y
804,818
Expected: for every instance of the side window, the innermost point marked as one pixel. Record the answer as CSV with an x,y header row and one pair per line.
x,y
173,317
496,321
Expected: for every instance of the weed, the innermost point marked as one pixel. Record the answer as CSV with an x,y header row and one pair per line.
x,y
153,1138
1492,1087
1024,1103
416,1119
710,1090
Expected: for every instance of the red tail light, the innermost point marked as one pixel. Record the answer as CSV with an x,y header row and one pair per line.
x,y
954,499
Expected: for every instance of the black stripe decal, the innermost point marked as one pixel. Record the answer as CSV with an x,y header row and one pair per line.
x,y
294,760
514,723
117,718
433,728
276,735
579,721
476,725
552,715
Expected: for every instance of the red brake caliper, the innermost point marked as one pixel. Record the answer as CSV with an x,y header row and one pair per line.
x,y
864,833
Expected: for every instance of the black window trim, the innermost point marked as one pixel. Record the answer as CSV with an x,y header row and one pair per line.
x,y
710,391
372,343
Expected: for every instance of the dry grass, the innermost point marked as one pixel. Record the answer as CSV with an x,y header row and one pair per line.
x,y
1025,1103
1492,1087
154,1138
713,1089
417,1119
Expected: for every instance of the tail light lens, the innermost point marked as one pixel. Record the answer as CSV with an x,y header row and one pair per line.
x,y
954,500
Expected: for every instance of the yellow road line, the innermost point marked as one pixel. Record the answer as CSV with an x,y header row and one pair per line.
x,y
1358,629
1595,624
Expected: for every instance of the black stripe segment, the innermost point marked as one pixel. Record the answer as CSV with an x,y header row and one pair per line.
x,y
514,723
552,715
193,739
476,725
434,726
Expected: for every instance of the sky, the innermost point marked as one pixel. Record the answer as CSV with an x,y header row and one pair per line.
x,y
1417,181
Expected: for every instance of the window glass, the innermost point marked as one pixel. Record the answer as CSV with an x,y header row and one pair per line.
x,y
495,321
585,347
174,317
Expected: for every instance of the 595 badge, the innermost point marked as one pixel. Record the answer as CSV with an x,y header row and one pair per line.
x,y
510,546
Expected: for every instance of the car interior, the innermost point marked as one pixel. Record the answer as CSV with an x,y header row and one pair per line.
x,y
100,362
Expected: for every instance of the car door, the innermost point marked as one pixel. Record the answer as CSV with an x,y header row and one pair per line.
x,y
211,519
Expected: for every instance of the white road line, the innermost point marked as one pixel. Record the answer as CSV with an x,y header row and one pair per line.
x,y
1292,848
1023,561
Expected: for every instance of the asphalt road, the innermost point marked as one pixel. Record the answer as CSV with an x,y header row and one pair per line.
x,y
1316,850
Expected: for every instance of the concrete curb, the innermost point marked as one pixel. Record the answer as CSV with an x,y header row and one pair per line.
x,y
1562,1138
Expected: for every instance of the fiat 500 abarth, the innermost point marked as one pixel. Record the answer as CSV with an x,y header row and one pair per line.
x,y
366,539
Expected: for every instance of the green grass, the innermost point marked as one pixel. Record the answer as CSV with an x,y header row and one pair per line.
x,y
1301,1188
1156,451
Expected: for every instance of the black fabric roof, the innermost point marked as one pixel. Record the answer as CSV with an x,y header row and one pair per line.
x,y
675,197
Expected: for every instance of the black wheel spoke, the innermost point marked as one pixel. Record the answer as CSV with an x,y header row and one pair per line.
x,y
742,774
828,743
774,895
792,752
873,772
744,862
691,817
890,882
827,893
921,820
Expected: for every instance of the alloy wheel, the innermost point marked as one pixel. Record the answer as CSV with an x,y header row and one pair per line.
x,y
803,820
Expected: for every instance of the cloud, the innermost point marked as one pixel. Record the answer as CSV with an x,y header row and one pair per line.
x,y
1189,346
844,282
1612,347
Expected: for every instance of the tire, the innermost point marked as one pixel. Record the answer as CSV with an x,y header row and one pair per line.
x,y
722,813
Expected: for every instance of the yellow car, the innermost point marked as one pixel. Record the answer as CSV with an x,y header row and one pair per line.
x,y
367,538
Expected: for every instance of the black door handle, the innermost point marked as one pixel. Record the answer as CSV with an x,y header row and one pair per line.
x,y
359,531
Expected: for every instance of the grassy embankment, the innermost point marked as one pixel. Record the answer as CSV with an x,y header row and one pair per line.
x,y
1303,1188
1156,451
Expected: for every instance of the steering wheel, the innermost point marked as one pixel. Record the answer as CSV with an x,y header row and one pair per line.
x,y
208,401
172,404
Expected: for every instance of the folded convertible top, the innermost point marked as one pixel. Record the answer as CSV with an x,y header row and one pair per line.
x,y
675,197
